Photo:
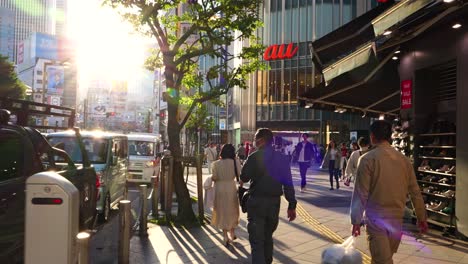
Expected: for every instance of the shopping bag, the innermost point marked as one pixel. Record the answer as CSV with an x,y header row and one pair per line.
x,y
344,253
209,193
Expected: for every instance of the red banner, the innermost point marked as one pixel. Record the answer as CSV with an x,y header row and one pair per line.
x,y
406,94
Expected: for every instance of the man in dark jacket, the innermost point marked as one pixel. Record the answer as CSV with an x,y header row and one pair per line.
x,y
270,176
303,154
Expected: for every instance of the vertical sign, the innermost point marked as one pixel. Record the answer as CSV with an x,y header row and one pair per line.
x,y
222,124
406,94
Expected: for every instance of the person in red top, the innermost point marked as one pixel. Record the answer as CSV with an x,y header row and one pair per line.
x,y
344,158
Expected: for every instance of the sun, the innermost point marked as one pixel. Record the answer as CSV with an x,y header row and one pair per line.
x,y
108,48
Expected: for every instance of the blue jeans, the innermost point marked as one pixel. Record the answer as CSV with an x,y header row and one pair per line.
x,y
303,166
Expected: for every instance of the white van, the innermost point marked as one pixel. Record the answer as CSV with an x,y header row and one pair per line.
x,y
142,152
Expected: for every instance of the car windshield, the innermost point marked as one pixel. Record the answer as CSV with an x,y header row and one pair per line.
x,y
96,148
140,148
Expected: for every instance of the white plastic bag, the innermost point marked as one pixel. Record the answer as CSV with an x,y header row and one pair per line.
x,y
344,253
209,192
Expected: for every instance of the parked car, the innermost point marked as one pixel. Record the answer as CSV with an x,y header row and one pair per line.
x,y
25,152
108,154
142,150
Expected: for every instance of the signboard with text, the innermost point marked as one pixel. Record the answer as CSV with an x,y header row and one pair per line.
x,y
406,94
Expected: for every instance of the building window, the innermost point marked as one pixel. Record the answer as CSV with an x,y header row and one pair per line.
x,y
39,81
39,72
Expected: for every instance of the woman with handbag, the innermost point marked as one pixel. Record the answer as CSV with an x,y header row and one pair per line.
x,y
226,204
331,161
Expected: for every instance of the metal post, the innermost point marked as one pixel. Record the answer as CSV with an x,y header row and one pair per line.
x,y
126,190
201,210
124,234
155,197
168,188
162,182
83,247
144,210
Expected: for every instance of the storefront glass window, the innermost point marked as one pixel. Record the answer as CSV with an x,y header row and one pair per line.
x,y
347,11
318,19
264,113
287,85
295,22
294,85
336,14
264,87
327,17
293,112
304,26
259,87
288,22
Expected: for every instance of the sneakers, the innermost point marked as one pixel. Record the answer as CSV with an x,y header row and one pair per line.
x,y
444,168
438,206
448,194
452,170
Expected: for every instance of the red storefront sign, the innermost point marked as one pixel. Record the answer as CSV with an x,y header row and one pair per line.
x,y
278,52
406,94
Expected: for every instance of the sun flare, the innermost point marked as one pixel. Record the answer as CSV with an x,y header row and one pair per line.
x,y
108,48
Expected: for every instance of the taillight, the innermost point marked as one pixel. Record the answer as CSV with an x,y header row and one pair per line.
x,y
151,163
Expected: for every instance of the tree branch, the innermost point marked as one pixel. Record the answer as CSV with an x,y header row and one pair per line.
x,y
193,54
205,98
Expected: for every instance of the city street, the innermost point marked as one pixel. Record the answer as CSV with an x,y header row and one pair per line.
x,y
322,221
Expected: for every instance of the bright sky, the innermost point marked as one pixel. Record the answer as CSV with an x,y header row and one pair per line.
x,y
108,47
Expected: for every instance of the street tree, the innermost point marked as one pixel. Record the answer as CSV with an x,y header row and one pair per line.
x,y
205,28
199,120
10,85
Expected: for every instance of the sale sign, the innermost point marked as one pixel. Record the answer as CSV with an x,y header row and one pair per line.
x,y
406,94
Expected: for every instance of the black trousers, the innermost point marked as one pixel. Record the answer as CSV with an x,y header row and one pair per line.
x,y
333,173
303,166
262,215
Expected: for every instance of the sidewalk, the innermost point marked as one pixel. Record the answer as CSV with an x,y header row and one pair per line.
x,y
322,221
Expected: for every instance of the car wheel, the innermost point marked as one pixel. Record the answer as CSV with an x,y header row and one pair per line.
x,y
104,216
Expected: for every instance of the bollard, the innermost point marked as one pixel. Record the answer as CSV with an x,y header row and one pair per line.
x,y
124,234
201,210
144,210
83,247
168,188
155,197
162,182
126,190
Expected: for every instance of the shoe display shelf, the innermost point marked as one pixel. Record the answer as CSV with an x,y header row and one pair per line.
x,y
402,139
436,177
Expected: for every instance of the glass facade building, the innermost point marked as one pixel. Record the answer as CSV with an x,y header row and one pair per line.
x,y
299,22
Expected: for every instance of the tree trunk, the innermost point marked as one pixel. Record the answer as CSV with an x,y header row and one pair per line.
x,y
185,214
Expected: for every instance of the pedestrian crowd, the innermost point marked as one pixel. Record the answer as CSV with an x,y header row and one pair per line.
x,y
382,177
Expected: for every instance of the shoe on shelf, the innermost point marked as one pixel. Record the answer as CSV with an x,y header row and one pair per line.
x,y
448,194
436,142
426,179
443,153
444,168
444,181
447,210
439,206
452,170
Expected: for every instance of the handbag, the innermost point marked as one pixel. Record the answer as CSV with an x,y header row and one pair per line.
x,y
244,195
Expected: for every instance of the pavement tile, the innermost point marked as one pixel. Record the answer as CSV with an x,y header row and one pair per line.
x,y
422,260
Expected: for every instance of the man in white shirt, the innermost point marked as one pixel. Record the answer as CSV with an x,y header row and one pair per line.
x,y
211,155
351,168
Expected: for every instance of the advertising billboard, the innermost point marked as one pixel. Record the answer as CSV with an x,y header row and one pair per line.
x,y
55,79
45,46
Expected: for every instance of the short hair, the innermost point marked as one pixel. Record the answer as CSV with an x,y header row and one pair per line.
x,y
305,134
382,130
363,141
265,134
228,152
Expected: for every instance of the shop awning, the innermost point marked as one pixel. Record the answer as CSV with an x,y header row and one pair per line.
x,y
396,14
373,88
348,63
370,89
348,38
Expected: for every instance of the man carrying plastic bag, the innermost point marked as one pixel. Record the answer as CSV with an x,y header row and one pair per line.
x,y
342,254
383,180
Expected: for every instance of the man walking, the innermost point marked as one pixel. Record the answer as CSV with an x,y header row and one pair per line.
x,y
241,153
304,153
384,178
211,155
270,176
351,167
